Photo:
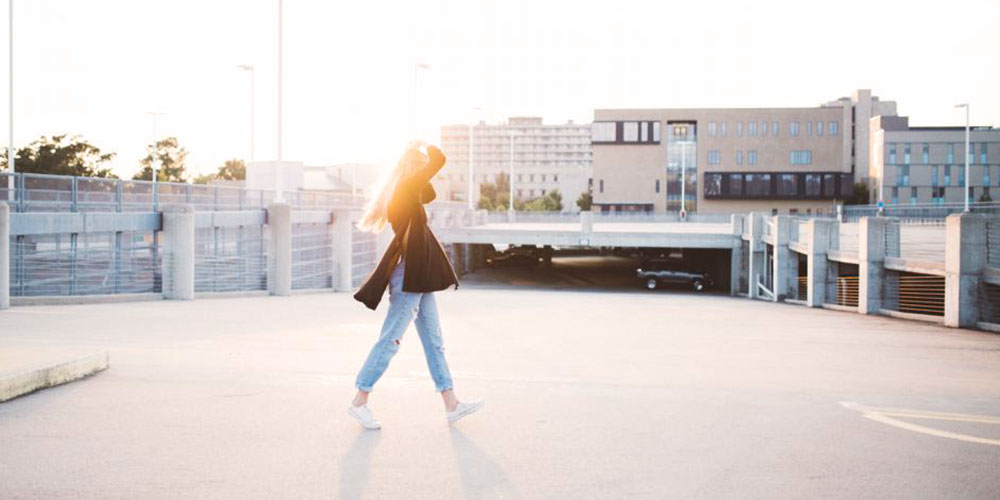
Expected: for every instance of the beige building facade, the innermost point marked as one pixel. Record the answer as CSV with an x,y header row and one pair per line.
x,y
542,158
779,160
926,165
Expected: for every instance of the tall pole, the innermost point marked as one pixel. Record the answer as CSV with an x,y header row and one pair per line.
x,y
152,157
250,68
472,153
967,154
11,154
511,183
278,183
683,212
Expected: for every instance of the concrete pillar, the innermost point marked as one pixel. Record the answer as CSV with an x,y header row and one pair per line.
x,y
343,249
178,252
736,255
586,222
871,262
964,261
4,256
279,254
755,254
817,265
785,267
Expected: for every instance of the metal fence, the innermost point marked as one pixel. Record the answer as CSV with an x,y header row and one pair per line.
x,y
364,253
57,193
993,243
229,259
312,256
916,213
913,293
84,264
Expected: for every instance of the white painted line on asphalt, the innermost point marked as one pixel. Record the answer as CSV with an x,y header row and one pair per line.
x,y
885,416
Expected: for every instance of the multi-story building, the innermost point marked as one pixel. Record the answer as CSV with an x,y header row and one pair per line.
x,y
911,165
545,158
782,160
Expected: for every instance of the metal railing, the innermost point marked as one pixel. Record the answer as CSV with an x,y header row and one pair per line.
x,y
364,255
229,259
913,293
312,256
993,243
58,193
916,213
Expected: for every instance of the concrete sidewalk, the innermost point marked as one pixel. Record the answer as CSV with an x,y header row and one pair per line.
x,y
590,395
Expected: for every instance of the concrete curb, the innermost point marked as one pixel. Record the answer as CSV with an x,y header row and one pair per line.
x,y
32,380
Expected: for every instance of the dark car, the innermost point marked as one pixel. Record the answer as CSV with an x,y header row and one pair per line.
x,y
653,276
513,260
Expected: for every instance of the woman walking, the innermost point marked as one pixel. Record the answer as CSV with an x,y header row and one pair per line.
x,y
413,267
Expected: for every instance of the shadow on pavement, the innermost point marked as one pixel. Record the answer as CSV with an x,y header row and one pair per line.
x,y
481,476
356,463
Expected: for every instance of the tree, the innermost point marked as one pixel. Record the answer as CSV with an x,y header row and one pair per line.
x,y
62,155
495,196
170,159
203,179
859,195
551,202
585,201
232,170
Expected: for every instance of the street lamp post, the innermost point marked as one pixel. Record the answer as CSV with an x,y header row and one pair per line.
x,y
413,98
152,157
11,154
278,183
249,68
966,106
683,213
472,149
510,208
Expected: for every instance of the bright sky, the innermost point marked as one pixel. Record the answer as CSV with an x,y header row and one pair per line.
x,y
96,67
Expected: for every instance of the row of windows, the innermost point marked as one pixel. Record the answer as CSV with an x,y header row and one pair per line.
x,y
795,157
753,129
493,177
625,132
905,148
937,195
943,172
777,185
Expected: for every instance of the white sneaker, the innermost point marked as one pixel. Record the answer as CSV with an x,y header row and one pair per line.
x,y
464,409
364,416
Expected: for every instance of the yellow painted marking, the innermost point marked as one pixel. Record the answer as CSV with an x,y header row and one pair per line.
x,y
885,416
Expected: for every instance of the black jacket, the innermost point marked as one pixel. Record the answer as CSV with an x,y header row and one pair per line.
x,y
427,266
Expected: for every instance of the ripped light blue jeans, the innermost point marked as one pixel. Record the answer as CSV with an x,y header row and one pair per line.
x,y
403,306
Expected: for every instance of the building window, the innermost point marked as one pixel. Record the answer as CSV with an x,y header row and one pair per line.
x,y
775,128
763,128
520,178
630,131
752,129
903,176
752,157
711,129
555,177
961,176
713,157
793,129
543,192
925,153
982,153
722,129
947,175
986,175
531,193
739,157
601,186
739,129
892,153
913,196
713,184
644,133
758,185
937,195
951,153
656,132
604,132
894,197
819,128
809,125
834,128
735,185
906,154
788,184
531,177
934,176
814,185
520,193
829,186
801,157
657,185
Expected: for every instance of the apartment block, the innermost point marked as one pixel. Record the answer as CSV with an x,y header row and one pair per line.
x,y
926,165
779,160
538,157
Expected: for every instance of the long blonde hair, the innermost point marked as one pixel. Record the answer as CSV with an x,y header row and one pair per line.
x,y
376,213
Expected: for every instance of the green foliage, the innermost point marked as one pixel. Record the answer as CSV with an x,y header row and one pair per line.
x,y
170,158
203,179
859,195
551,202
232,170
62,155
585,201
495,197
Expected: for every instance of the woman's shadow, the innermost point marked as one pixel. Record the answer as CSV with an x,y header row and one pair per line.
x,y
481,476
356,463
